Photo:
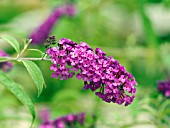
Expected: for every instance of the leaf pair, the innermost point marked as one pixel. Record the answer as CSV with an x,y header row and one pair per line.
x,y
15,88
32,68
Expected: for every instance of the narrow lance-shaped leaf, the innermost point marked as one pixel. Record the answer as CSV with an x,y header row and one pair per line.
x,y
35,73
165,105
37,50
19,92
147,24
11,40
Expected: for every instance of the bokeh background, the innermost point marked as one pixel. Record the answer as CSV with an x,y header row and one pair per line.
x,y
135,32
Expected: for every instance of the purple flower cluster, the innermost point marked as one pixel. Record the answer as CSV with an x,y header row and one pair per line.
x,y
63,121
5,66
43,31
164,87
97,71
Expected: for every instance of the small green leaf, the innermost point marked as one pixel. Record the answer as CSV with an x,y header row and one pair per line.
x,y
37,50
11,40
164,106
35,73
19,92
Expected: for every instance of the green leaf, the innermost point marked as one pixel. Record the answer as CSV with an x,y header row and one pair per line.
x,y
150,109
164,106
35,73
19,92
37,50
149,31
11,40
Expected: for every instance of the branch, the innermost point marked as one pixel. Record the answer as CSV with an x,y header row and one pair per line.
x,y
4,59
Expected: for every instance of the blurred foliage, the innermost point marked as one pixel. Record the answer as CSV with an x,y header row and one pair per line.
x,y
126,30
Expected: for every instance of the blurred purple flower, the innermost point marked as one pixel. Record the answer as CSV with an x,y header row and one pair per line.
x,y
42,32
44,115
59,122
81,118
164,87
96,70
70,118
47,125
63,121
5,66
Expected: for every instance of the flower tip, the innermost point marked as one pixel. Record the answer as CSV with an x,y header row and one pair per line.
x,y
70,10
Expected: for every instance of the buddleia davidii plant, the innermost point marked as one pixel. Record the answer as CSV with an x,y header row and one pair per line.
x,y
101,74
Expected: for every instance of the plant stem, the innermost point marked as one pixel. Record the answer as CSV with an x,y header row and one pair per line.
x,y
26,44
25,47
20,59
43,56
